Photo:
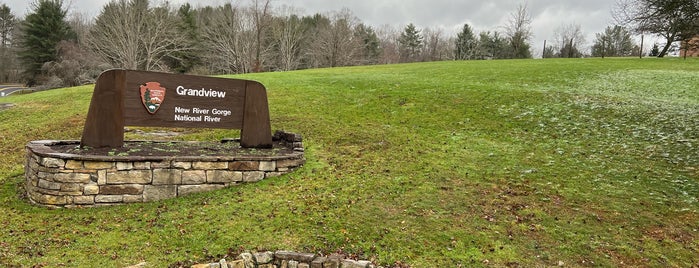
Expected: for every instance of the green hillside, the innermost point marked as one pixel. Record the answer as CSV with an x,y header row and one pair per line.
x,y
586,162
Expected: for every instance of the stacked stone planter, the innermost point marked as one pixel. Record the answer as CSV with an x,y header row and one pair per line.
x,y
66,180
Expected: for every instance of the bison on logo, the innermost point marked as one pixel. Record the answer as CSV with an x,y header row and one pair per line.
x,y
152,96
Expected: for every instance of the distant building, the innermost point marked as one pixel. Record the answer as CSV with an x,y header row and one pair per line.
x,y
691,48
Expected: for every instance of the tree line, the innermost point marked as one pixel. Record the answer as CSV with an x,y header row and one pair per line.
x,y
48,48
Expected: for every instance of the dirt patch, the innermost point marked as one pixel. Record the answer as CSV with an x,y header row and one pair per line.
x,y
175,148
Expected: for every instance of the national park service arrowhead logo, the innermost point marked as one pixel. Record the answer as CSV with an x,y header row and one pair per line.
x,y
152,96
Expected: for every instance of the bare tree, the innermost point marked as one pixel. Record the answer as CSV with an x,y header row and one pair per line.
x,y
570,39
130,34
674,20
388,42
519,32
336,45
437,46
288,33
223,34
262,18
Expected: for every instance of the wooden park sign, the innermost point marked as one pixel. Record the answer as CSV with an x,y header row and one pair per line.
x,y
137,98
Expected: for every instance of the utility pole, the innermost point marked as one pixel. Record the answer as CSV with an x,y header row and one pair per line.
x,y
543,53
640,54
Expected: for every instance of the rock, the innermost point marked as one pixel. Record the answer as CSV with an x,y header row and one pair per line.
x,y
264,257
248,260
140,265
354,264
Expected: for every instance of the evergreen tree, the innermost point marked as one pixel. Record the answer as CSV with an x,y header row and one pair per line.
x,y
614,42
410,43
370,42
42,31
7,26
466,43
183,61
655,51
492,46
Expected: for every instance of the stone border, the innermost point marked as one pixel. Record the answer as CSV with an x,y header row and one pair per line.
x,y
55,179
288,259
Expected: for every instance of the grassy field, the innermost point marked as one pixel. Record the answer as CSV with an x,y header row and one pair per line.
x,y
587,162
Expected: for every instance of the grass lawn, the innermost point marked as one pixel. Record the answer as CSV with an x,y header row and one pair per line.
x,y
586,162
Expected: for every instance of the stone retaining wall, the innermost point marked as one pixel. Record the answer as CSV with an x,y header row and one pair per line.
x,y
66,180
288,259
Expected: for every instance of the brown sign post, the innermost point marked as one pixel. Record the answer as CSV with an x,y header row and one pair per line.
x,y
137,98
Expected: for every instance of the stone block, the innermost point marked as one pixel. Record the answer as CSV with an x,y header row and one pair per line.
x,y
130,177
293,264
84,200
72,177
141,165
331,263
45,175
248,259
109,199
124,165
182,165
33,180
102,177
167,177
125,189
304,265
33,165
52,162
48,192
224,176
193,177
72,187
91,189
253,176
268,166
318,262
133,198
354,264
163,164
244,165
74,164
210,165
50,199
159,192
290,255
98,165
49,185
190,189
264,257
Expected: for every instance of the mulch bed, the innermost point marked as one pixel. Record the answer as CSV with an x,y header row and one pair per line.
x,y
176,148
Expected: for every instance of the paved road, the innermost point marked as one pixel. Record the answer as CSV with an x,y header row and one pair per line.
x,y
10,88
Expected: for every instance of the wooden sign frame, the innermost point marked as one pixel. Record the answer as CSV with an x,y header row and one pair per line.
x,y
126,98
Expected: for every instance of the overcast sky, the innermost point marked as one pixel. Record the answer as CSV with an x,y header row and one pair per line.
x,y
547,15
